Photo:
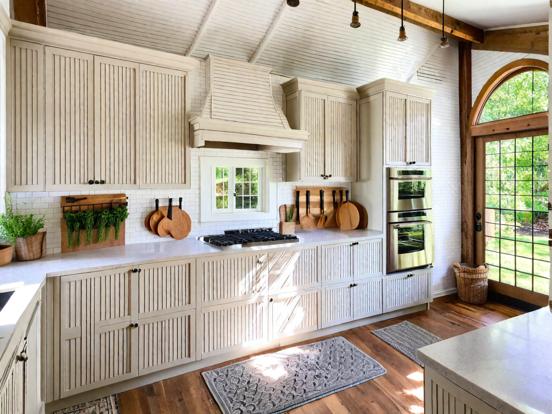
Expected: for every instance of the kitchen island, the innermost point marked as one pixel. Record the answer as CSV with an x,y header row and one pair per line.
x,y
503,368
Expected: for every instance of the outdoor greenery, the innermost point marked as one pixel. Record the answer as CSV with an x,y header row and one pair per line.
x,y
13,226
90,220
530,89
245,190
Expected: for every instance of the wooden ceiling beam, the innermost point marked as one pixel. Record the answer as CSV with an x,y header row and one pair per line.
x,y
427,18
531,39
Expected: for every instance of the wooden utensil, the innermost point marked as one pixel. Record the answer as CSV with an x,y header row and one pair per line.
x,y
307,220
182,223
283,213
349,217
322,218
338,207
164,226
148,217
363,214
155,219
330,220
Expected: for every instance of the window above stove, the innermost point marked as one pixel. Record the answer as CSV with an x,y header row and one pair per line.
x,y
236,188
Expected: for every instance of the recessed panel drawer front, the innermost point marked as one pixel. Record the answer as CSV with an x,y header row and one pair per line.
x,y
336,305
406,289
368,298
337,263
166,341
233,278
294,313
368,258
165,288
293,269
233,326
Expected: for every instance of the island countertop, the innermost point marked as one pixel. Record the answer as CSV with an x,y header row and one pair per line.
x,y
507,365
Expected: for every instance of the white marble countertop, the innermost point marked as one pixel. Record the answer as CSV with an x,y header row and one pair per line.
x,y
27,277
508,365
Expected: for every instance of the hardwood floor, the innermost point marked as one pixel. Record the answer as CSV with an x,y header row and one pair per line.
x,y
399,391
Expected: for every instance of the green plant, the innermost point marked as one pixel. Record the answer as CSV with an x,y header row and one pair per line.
x,y
87,222
289,215
118,215
14,226
72,220
102,220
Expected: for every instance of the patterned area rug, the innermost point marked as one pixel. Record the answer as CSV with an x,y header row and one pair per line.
x,y
106,405
278,382
406,337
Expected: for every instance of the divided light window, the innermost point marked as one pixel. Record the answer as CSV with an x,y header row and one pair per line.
x,y
237,189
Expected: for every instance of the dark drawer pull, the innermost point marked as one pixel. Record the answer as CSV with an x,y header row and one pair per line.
x,y
136,270
354,244
22,357
133,325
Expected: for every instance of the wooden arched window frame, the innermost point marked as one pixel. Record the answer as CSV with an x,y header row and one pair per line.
x,y
532,122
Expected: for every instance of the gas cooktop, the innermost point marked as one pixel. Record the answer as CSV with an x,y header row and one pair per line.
x,y
249,238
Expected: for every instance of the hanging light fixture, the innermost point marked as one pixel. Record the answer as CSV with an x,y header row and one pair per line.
x,y
402,31
355,21
293,3
444,39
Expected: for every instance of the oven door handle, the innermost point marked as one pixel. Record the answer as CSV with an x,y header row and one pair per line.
x,y
397,226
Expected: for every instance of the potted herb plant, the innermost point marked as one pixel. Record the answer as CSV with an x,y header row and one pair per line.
x,y
23,231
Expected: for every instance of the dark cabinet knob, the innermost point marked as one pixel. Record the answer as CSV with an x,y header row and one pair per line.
x,y
136,270
22,357
328,176
133,325
354,244
96,181
102,181
271,300
90,182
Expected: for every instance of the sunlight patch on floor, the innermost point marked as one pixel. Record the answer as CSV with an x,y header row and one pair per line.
x,y
416,409
416,376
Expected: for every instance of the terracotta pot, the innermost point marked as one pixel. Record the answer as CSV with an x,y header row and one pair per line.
x,y
6,254
30,248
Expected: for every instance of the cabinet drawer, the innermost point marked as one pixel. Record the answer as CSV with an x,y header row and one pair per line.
x,y
336,306
233,326
368,258
294,313
406,289
368,298
232,278
337,264
166,288
293,269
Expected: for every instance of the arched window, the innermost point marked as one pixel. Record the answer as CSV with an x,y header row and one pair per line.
x,y
509,123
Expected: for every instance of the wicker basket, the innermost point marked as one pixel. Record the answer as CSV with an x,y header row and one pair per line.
x,y
472,283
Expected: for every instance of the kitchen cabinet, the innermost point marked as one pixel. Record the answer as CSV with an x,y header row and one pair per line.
x,y
336,307
26,141
398,120
292,270
124,322
294,313
368,298
403,290
79,118
328,112
12,386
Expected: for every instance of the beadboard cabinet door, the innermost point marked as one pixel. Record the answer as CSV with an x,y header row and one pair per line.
x,y
367,258
69,119
12,388
336,263
368,298
26,139
313,119
407,289
292,270
336,306
395,128
116,121
341,139
418,131
164,158
294,313
98,338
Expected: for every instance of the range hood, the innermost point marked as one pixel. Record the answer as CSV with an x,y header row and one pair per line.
x,y
240,111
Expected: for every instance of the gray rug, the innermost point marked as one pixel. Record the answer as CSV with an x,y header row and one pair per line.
x,y
407,337
278,382
106,405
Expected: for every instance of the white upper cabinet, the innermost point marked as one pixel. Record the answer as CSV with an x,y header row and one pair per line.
x,y
402,125
88,113
328,112
25,144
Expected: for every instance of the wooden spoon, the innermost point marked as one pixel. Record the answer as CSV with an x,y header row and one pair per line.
x,y
322,218
348,215
164,226
307,221
283,212
330,221
148,217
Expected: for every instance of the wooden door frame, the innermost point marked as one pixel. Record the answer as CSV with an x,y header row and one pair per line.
x,y
528,125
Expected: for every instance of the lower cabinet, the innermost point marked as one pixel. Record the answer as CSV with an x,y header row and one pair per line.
x,y
294,313
233,326
367,298
12,387
403,290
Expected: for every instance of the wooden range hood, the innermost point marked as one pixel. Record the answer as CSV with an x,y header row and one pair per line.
x,y
240,112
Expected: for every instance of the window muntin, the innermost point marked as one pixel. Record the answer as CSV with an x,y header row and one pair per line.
x,y
246,190
222,188
516,212
530,89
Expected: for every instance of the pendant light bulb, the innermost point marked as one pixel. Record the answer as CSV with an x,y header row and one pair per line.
x,y
402,31
293,3
355,21
444,39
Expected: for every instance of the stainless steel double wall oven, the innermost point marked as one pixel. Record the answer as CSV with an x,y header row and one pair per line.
x,y
409,218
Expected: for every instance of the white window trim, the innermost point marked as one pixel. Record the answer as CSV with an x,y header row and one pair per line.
x,y
267,202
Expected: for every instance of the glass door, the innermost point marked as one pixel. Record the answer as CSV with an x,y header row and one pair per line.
x,y
515,176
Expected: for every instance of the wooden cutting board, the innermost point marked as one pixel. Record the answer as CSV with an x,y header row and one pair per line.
x,y
349,217
164,226
148,217
363,215
182,223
